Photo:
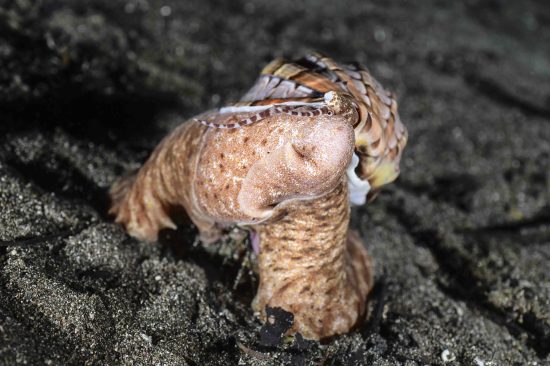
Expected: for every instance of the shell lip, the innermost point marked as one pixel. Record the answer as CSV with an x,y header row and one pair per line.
x,y
358,188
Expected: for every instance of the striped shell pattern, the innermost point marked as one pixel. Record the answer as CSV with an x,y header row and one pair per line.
x,y
380,136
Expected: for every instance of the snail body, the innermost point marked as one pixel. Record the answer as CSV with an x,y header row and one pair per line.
x,y
284,164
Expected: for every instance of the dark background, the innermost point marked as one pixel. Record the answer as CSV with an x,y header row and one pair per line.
x,y
461,241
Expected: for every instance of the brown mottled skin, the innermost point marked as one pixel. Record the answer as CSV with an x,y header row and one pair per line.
x,y
313,268
228,176
285,178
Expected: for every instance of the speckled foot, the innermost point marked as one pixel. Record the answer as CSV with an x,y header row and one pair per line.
x,y
138,209
311,267
142,202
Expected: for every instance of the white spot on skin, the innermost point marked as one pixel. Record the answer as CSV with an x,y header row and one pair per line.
x,y
358,188
328,96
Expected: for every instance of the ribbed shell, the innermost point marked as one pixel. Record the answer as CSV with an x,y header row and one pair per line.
x,y
380,136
